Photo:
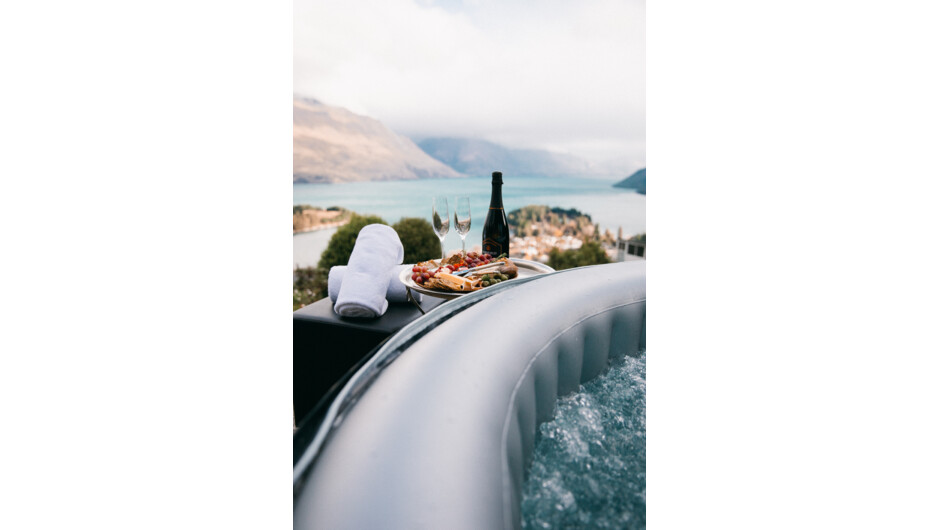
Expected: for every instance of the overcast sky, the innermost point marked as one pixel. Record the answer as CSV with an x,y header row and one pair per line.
x,y
567,76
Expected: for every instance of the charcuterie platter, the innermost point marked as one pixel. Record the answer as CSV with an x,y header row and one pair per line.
x,y
431,278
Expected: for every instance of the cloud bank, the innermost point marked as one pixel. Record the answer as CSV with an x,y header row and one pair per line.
x,y
559,75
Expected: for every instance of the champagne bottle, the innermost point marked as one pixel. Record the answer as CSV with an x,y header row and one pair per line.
x,y
496,228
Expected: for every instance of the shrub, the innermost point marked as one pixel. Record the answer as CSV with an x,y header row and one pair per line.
x,y
590,253
418,238
341,244
309,286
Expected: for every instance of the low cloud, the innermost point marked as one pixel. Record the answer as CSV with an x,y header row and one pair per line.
x,y
565,76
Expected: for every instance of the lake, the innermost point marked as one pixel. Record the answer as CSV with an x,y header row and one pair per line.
x,y
391,200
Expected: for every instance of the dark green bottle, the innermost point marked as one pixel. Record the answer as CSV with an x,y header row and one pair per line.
x,y
496,227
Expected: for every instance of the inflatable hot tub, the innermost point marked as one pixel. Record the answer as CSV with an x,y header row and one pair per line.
x,y
437,429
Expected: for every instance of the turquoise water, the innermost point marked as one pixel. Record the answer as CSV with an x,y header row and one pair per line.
x,y
610,207
589,464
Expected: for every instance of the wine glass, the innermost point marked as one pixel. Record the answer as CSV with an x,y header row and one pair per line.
x,y
440,220
462,221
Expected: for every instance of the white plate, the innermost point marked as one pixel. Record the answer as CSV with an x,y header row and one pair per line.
x,y
526,269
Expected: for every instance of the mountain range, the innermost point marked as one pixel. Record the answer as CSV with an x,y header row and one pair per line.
x,y
332,144
479,158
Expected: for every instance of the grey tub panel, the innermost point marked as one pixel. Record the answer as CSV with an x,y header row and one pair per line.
x,y
442,438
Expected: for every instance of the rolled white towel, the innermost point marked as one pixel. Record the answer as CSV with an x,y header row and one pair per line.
x,y
376,252
396,290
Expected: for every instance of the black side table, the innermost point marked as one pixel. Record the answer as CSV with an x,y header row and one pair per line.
x,y
326,345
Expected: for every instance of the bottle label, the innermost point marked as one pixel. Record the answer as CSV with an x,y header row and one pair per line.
x,y
491,247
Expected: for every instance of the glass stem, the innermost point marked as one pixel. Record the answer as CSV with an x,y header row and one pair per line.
x,y
463,246
443,253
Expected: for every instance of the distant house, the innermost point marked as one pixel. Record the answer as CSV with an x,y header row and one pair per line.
x,y
628,248
636,248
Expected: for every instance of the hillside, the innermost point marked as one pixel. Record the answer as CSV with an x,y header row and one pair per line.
x,y
636,181
538,231
307,218
536,220
481,158
332,144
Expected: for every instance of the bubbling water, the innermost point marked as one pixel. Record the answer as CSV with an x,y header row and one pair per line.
x,y
589,464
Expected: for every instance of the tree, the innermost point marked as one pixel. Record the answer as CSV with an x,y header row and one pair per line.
x,y
418,238
341,244
590,253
